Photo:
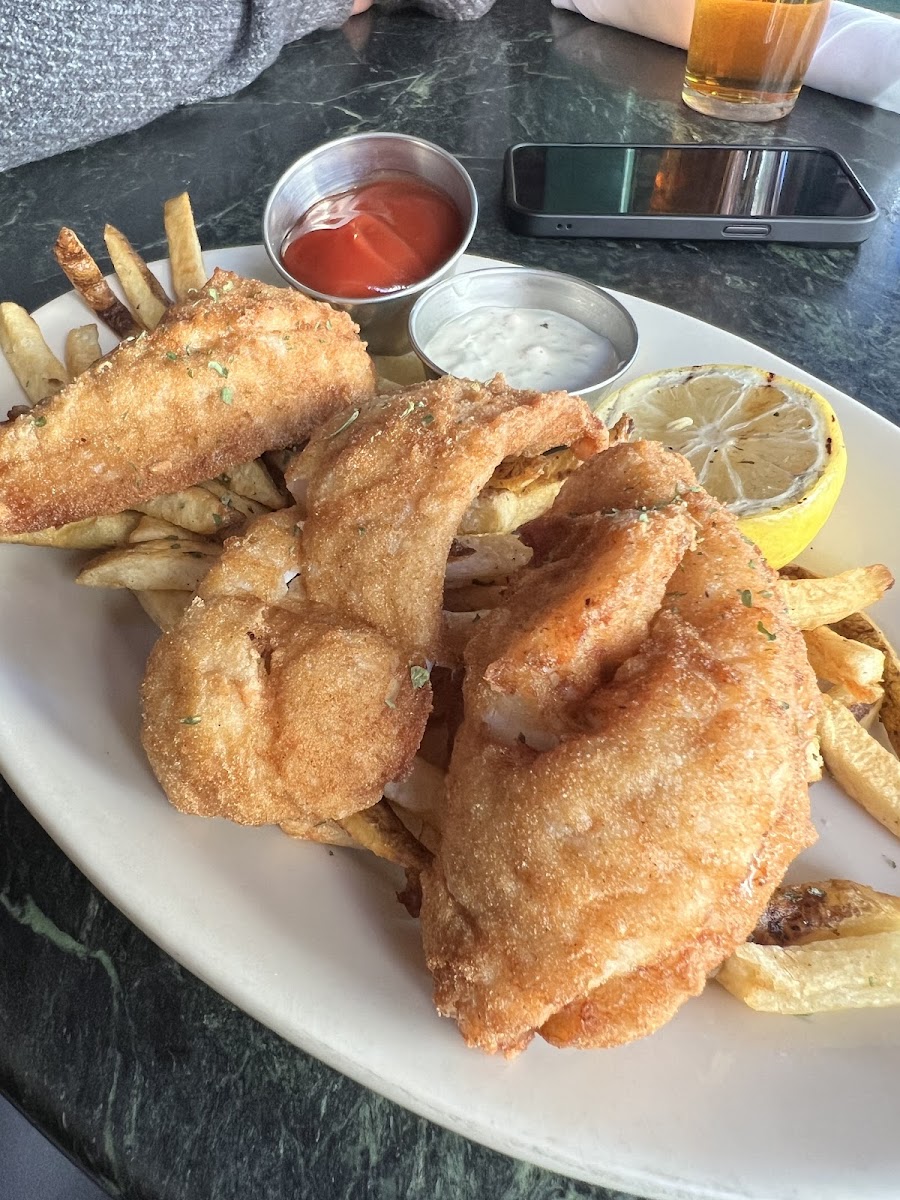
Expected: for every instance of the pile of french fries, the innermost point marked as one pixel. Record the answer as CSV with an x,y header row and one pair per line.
x,y
821,946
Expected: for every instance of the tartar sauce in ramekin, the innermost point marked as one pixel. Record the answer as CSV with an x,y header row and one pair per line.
x,y
533,347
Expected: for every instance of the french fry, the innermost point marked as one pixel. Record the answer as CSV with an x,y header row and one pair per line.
x,y
93,533
798,913
33,363
519,490
327,833
842,660
254,480
82,349
185,258
497,511
233,502
164,608
484,557
195,509
867,772
822,976
145,293
813,602
164,565
865,711
418,799
380,830
862,628
152,529
87,279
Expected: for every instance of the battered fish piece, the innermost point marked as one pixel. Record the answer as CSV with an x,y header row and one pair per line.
x,y
384,489
264,709
296,686
596,865
242,369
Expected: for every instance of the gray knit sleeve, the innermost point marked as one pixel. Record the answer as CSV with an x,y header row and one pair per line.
x,y
73,73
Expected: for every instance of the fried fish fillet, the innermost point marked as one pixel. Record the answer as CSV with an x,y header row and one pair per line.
x,y
263,709
385,487
241,369
629,782
296,686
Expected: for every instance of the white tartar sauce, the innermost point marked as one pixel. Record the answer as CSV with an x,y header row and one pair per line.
x,y
532,347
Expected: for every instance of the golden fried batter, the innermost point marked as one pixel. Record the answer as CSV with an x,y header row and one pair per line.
x,y
296,686
242,369
603,850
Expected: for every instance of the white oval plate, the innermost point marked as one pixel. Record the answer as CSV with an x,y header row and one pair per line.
x,y
721,1103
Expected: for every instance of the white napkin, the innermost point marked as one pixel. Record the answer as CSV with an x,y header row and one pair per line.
x,y
858,56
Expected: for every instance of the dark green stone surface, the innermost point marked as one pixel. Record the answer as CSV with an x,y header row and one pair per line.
x,y
158,1085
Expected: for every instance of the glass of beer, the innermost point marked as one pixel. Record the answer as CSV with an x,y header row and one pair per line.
x,y
747,58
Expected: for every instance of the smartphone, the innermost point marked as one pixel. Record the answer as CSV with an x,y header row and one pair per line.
x,y
748,193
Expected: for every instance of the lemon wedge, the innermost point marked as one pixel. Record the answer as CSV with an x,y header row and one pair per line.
x,y
769,448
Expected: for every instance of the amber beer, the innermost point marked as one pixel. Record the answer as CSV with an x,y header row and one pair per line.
x,y
747,58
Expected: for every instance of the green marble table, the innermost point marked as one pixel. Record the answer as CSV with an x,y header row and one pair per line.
x,y
157,1085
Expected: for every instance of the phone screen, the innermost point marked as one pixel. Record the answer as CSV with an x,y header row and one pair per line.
x,y
584,180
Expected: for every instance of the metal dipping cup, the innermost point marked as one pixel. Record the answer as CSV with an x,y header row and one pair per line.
x,y
527,287
342,164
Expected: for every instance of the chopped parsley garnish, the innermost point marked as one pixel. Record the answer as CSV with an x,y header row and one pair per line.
x,y
361,530
419,676
194,720
762,629
39,421
213,294
427,418
746,597
227,395
218,368
170,354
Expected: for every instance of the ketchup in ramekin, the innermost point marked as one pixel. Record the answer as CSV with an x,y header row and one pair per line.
x,y
381,236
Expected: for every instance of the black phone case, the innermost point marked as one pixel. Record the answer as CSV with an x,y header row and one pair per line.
x,y
820,231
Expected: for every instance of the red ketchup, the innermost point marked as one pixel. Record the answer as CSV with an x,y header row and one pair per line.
x,y
382,235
